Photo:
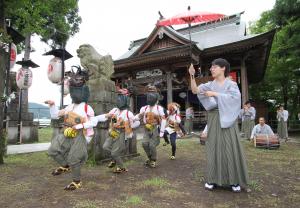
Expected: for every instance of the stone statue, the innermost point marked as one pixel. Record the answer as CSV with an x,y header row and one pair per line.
x,y
98,66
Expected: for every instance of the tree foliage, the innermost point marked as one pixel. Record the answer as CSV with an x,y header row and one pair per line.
x,y
280,83
44,18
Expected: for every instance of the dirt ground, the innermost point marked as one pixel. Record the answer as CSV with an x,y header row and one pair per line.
x,y
25,181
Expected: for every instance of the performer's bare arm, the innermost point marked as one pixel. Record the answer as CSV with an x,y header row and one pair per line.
x,y
51,103
194,87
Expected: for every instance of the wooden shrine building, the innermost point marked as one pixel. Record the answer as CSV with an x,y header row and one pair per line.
x,y
164,56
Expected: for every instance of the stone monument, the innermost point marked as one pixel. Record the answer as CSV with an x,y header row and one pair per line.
x,y
102,98
29,129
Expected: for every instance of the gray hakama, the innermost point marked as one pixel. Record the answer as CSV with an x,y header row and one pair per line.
x,y
226,163
248,121
247,126
69,151
116,147
282,129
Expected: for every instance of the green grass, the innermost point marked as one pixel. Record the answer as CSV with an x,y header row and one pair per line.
x,y
134,200
155,182
45,134
255,186
38,159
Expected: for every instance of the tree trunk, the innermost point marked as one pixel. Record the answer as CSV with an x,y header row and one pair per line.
x,y
285,94
2,74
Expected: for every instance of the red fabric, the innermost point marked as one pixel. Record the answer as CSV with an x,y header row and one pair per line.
x,y
190,17
85,108
233,75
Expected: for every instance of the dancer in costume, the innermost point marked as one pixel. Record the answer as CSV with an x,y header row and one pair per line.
x,y
282,117
69,148
154,119
120,129
221,98
172,128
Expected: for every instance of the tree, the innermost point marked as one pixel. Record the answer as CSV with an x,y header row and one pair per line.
x,y
280,78
42,18
2,72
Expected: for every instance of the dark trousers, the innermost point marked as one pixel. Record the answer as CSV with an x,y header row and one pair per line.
x,y
173,137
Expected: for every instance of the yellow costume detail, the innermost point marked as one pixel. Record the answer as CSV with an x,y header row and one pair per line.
x,y
70,133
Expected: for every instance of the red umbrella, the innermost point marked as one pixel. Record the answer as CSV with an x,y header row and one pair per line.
x,y
189,17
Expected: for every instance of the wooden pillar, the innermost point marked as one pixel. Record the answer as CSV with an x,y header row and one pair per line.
x,y
244,81
169,87
131,101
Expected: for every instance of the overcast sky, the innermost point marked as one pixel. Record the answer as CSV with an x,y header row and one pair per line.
x,y
109,26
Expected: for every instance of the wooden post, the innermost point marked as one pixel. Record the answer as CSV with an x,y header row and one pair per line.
x,y
169,87
244,81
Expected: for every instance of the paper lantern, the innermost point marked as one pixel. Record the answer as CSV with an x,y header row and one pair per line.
x,y
54,70
24,78
13,55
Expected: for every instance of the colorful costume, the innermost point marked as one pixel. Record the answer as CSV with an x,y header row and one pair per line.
x,y
154,119
120,129
69,148
172,128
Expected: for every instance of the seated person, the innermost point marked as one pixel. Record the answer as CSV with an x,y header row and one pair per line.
x,y
261,128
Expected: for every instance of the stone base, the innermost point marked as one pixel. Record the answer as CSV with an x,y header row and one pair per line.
x,y
29,134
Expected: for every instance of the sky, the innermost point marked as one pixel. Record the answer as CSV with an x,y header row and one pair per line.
x,y
109,26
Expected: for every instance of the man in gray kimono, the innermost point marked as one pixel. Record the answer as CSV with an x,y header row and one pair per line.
x,y
261,128
189,116
221,98
248,119
282,117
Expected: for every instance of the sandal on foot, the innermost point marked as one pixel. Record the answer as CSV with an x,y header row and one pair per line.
x,y
60,170
120,170
147,163
111,164
73,186
152,164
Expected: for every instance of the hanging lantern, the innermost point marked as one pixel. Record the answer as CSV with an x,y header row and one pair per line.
x,y
13,55
54,70
24,78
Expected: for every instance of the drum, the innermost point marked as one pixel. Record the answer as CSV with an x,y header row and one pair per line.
x,y
267,141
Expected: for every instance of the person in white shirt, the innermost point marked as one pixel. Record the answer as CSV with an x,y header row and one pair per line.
x,y
282,117
261,128
121,129
69,149
155,121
